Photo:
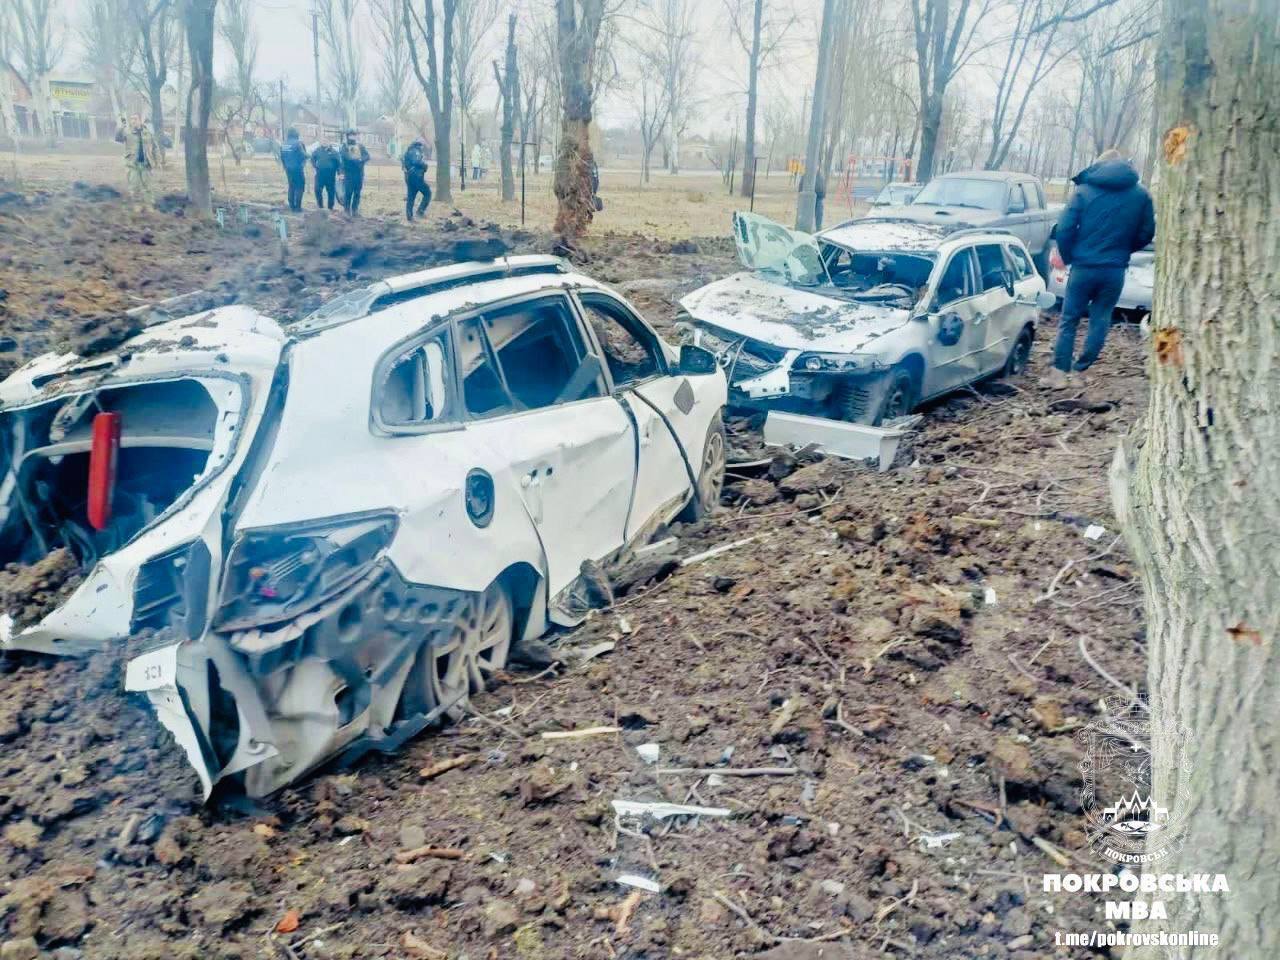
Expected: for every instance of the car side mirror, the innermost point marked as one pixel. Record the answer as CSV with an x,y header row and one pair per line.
x,y
1017,206
695,360
1008,278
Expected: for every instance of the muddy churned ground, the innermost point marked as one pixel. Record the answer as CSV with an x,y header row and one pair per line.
x,y
906,647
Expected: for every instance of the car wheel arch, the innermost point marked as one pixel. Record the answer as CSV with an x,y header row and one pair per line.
x,y
526,587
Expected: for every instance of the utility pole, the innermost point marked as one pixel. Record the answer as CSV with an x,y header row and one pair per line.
x,y
315,53
282,110
807,202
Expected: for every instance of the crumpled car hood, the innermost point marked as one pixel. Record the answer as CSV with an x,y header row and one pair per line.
x,y
749,306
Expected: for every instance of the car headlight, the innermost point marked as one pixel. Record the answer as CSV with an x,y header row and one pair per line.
x,y
836,362
275,573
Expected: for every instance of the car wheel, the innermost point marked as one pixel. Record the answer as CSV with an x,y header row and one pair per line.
x,y
899,398
479,640
1016,363
706,497
849,401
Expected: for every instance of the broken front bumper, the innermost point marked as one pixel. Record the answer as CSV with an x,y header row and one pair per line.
x,y
273,703
765,376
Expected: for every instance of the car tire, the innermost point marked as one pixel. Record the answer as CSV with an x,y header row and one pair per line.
x,y
1020,355
706,497
850,402
899,397
477,647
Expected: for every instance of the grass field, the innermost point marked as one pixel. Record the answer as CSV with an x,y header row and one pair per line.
x,y
690,205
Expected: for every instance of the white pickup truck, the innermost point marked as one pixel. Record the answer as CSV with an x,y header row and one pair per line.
x,y
990,199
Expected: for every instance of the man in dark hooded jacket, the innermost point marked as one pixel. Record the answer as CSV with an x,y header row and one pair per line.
x,y
293,157
1108,218
326,161
415,183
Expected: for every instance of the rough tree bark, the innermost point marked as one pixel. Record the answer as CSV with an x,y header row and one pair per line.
x,y
509,86
1201,503
577,34
437,80
198,18
753,90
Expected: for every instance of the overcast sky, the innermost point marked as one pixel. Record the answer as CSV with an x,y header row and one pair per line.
x,y
285,50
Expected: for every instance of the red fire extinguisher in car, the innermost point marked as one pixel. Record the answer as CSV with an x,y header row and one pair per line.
x,y
104,454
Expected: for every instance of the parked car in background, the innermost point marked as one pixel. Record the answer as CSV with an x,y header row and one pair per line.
x,y
869,318
987,198
896,194
333,532
1139,281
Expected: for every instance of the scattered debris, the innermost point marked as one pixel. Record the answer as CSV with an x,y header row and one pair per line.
x,y
429,852
444,766
579,734
635,880
649,752
716,551
661,811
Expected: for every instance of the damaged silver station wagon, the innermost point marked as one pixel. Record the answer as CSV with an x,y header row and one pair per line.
x,y
331,533
868,319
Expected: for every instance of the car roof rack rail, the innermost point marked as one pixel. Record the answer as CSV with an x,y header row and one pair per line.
x,y
361,302
967,231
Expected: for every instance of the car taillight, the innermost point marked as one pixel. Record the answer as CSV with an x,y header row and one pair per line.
x,y
1055,259
276,573
104,454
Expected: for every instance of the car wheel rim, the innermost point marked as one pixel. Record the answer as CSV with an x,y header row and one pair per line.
x,y
1020,356
895,405
490,639
449,671
713,460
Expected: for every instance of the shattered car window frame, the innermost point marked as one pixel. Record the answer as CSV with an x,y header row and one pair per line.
x,y
388,362
662,367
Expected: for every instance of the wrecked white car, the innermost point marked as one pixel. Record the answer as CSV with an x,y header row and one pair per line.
x,y
868,319
325,537
1138,292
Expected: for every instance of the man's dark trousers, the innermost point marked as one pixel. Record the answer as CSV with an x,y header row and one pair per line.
x,y
415,188
352,185
297,184
325,184
1092,290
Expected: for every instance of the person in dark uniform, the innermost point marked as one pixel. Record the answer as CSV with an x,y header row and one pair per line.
x,y
415,179
293,157
1108,219
325,160
354,157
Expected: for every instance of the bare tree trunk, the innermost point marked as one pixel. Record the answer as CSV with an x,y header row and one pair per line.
x,y
577,33
510,87
1201,505
437,79
753,91
806,203
198,16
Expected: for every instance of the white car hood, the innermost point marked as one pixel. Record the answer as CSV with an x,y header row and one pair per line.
x,y
751,306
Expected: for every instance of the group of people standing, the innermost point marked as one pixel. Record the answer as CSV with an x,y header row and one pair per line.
x,y
348,158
